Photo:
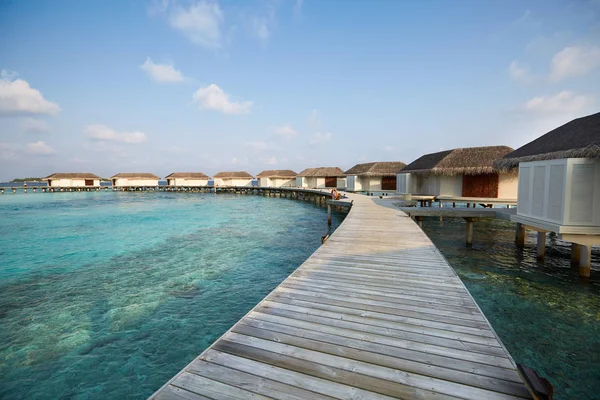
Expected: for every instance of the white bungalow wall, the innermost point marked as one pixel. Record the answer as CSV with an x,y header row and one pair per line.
x,y
70,182
406,183
247,182
187,182
119,182
341,183
438,185
508,185
277,182
564,191
353,183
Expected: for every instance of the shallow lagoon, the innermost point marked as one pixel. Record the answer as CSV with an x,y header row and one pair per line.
x,y
547,316
108,295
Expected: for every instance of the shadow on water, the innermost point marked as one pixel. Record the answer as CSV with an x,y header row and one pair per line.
x,y
547,316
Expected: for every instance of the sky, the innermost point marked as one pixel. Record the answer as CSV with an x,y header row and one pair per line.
x,y
206,86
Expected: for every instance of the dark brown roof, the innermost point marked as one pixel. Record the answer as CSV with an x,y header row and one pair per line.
x,y
465,161
135,175
234,174
381,168
187,175
579,138
72,175
277,173
322,171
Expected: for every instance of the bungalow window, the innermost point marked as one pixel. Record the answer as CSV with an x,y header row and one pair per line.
x,y
480,186
388,183
89,182
331,181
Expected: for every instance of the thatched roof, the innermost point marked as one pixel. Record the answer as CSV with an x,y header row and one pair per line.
x,y
382,168
71,175
277,173
187,175
234,174
134,175
579,138
466,161
322,172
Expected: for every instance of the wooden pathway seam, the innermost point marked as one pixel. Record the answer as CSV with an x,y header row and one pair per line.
x,y
375,313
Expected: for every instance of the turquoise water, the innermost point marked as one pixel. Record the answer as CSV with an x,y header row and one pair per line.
x,y
108,295
547,316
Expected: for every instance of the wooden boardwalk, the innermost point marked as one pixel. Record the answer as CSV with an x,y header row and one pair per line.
x,y
374,313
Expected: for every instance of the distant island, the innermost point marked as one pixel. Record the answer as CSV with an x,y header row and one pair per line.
x,y
26,180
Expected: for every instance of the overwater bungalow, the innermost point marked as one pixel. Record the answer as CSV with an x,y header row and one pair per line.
x,y
463,172
559,187
236,178
141,179
321,177
196,179
72,179
277,178
373,176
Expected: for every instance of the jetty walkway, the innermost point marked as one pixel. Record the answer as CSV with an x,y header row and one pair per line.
x,y
375,313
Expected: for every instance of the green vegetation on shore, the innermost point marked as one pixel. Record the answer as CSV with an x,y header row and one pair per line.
x,y
26,180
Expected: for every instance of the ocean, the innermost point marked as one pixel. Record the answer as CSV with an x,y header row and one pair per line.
x,y
110,294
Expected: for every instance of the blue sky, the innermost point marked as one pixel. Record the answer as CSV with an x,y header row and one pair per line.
x,y
163,86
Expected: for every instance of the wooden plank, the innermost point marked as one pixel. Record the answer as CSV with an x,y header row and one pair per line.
x,y
376,312
213,389
366,369
252,383
344,376
289,376
378,355
492,356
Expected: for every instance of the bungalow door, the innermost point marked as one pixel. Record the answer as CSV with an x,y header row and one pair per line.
x,y
330,182
388,183
89,182
480,186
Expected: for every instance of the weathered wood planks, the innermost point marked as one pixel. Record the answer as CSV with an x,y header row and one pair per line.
x,y
375,313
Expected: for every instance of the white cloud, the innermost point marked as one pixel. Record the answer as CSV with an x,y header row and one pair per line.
x,y
34,125
298,9
39,148
8,75
200,23
269,161
18,98
103,133
8,151
213,97
257,146
285,131
320,138
161,73
518,71
388,148
314,118
564,102
574,61
261,29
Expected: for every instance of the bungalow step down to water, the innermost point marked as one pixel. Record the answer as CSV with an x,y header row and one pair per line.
x,y
375,313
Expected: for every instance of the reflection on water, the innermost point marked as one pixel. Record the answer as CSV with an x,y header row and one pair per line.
x,y
547,316
108,295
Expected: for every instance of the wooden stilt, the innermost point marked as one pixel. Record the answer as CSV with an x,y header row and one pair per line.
x,y
328,214
419,221
469,231
585,261
520,235
575,253
541,245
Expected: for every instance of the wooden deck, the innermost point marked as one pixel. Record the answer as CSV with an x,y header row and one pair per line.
x,y
374,313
